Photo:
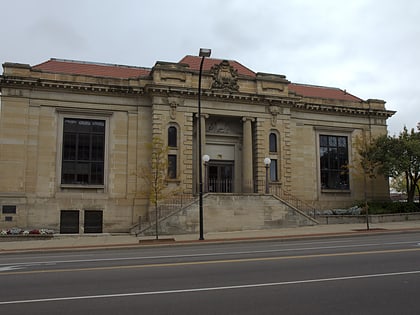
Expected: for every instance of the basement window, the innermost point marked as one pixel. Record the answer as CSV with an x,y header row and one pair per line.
x,y
9,209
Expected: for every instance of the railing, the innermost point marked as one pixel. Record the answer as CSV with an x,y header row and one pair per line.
x,y
177,202
170,205
219,185
293,200
165,208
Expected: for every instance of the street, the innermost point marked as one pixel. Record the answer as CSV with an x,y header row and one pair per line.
x,y
371,274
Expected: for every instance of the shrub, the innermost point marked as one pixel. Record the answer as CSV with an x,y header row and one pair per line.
x,y
388,207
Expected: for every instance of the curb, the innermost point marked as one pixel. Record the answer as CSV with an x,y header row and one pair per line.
x,y
165,242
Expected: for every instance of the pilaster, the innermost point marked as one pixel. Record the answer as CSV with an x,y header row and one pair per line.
x,y
260,151
247,169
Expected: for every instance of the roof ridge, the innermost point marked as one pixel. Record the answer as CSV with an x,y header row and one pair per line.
x,y
94,63
318,86
233,61
340,90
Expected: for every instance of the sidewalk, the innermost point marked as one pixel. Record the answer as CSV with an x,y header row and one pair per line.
x,y
91,241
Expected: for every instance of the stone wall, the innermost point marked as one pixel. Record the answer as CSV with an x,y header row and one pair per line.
x,y
373,218
231,212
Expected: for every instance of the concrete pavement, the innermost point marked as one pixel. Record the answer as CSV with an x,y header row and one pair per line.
x,y
105,240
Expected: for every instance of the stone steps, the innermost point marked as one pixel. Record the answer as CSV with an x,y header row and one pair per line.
x,y
230,212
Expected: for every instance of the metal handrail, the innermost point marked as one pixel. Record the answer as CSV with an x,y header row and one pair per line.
x,y
293,200
165,209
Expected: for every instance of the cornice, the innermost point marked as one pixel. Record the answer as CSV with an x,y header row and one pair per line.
x,y
30,83
342,109
292,101
158,90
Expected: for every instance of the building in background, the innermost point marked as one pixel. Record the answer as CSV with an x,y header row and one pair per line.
x,y
75,140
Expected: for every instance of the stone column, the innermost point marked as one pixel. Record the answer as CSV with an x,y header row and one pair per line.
x,y
247,164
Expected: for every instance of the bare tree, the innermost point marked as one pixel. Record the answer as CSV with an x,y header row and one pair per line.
x,y
155,175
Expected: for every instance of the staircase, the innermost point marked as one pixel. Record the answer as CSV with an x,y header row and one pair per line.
x,y
294,202
165,209
228,212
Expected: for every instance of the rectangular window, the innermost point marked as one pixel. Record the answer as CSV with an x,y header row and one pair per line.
x,y
172,166
9,209
83,151
273,170
333,152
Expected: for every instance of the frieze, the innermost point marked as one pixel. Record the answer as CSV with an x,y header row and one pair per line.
x,y
218,125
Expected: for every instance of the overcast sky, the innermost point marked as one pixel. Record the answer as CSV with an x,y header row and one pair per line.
x,y
371,48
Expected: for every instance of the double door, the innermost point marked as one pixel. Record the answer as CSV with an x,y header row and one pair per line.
x,y
220,176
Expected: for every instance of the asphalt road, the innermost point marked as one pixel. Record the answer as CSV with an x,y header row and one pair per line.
x,y
360,275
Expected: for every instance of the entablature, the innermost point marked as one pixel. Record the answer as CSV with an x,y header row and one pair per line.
x,y
31,83
343,109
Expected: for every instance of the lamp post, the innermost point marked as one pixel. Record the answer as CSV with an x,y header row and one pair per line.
x,y
206,159
204,52
267,163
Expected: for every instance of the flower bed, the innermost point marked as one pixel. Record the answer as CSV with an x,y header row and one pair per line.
x,y
21,234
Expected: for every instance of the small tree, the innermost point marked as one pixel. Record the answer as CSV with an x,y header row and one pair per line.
x,y
155,174
366,164
397,156
400,156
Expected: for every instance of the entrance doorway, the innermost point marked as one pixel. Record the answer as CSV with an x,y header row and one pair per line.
x,y
220,176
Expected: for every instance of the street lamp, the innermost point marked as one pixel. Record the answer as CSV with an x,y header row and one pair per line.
x,y
204,52
206,159
267,163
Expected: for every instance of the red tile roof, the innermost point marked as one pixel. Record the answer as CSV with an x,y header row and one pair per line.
x,y
194,63
322,92
124,72
93,69
301,89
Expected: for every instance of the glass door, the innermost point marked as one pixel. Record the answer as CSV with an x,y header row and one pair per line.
x,y
220,176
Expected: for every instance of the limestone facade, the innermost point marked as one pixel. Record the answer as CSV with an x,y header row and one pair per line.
x,y
75,139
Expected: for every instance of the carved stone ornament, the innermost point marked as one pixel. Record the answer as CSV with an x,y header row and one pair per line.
x,y
173,103
172,111
225,77
274,110
219,125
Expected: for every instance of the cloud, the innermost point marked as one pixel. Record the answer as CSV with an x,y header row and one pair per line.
x,y
369,47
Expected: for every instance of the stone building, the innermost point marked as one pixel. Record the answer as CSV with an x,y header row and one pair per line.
x,y
76,139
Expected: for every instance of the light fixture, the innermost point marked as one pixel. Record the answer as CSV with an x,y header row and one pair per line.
x,y
206,159
267,162
204,52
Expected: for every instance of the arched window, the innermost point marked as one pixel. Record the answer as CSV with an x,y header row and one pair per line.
x,y
274,155
172,137
273,142
172,152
